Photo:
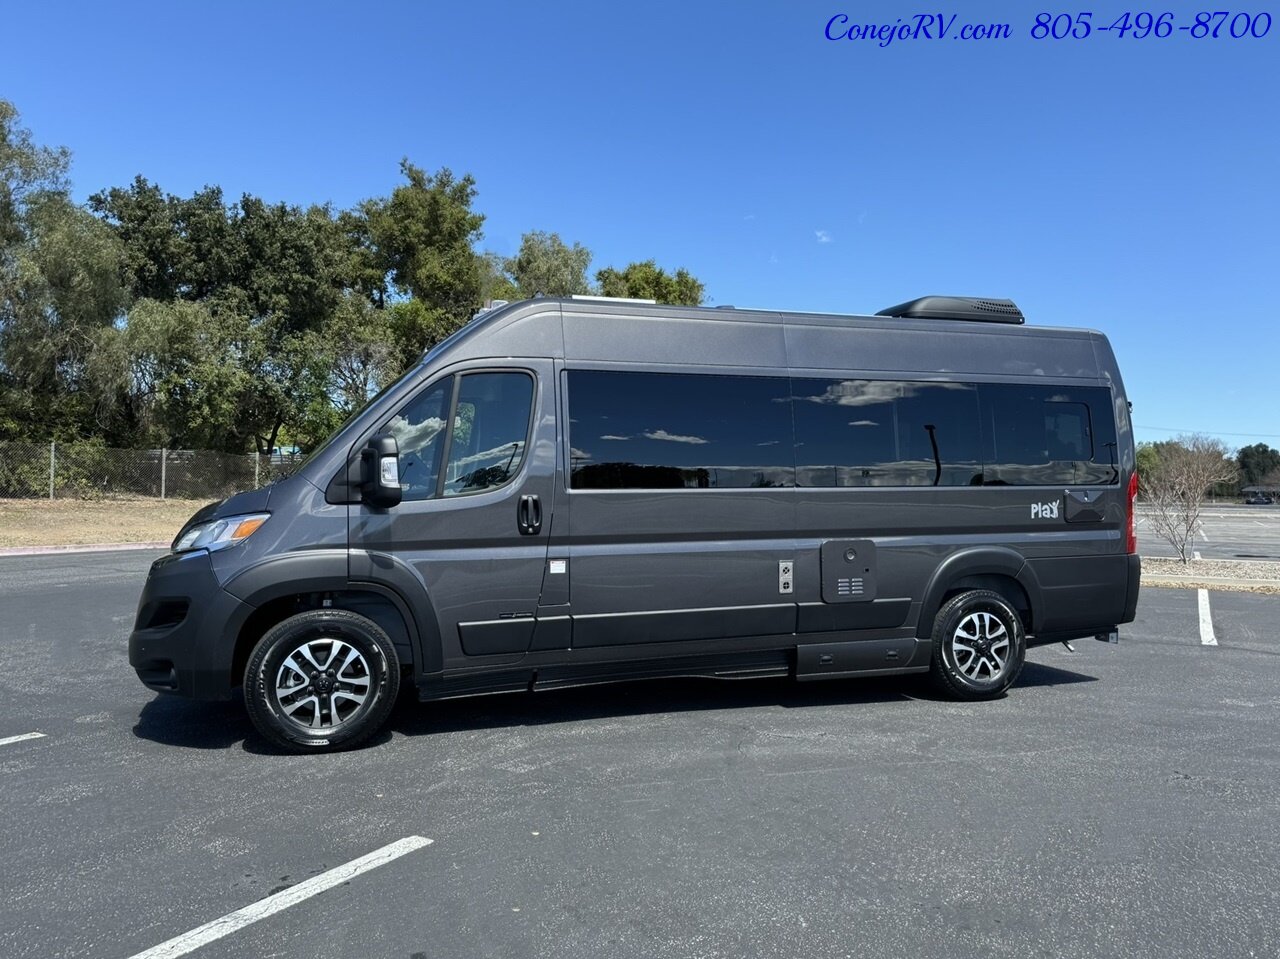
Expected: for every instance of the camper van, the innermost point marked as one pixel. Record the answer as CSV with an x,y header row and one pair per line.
x,y
571,491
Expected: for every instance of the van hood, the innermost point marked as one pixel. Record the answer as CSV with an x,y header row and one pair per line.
x,y
249,501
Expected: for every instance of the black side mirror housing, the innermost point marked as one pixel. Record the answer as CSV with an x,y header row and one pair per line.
x,y
380,472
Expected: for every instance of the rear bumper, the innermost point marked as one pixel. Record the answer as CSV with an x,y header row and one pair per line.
x,y
1084,596
183,639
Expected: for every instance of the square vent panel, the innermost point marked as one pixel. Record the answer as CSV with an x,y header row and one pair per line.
x,y
848,571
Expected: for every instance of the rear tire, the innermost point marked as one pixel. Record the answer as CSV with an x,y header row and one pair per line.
x,y
979,646
321,681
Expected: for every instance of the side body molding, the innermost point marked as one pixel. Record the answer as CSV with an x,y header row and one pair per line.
x,y
978,561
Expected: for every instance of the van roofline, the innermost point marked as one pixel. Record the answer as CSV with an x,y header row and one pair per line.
x,y
622,307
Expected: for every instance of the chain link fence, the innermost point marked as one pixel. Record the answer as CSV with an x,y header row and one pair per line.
x,y
88,470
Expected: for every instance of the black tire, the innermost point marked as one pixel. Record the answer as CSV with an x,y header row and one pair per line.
x,y
979,646
321,681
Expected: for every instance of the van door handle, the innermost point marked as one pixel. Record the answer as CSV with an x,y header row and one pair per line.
x,y
529,515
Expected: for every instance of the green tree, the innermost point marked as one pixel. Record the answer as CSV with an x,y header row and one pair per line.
x,y
27,173
270,279
156,257
32,178
646,280
172,368
544,264
1256,463
352,355
1148,461
422,237
414,327
62,291
495,282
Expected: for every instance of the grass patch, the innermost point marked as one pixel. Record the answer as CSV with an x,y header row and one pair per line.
x,y
73,522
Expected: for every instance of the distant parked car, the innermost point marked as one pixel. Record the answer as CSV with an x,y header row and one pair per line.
x,y
1259,500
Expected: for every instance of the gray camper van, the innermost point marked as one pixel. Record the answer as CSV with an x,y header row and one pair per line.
x,y
569,491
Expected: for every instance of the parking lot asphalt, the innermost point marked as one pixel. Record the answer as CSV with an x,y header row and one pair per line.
x,y
1224,532
1120,801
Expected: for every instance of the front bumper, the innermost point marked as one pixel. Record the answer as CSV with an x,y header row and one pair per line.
x,y
183,640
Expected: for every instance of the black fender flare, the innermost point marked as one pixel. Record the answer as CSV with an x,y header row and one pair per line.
x,y
978,561
370,568
338,570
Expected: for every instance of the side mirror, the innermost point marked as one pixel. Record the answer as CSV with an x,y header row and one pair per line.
x,y
380,472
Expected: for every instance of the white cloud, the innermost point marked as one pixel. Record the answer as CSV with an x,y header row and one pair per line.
x,y
873,392
675,437
823,236
416,436
863,423
578,454
610,436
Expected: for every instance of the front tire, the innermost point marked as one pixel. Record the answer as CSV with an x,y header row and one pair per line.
x,y
979,646
321,681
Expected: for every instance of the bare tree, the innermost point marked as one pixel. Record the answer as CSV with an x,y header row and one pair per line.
x,y
1176,488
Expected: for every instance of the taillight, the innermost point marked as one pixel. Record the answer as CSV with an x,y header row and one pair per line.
x,y
1131,533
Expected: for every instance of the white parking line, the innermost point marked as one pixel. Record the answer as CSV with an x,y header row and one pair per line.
x,y
20,739
1207,638
211,931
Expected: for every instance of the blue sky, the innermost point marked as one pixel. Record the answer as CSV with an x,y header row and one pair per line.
x,y
1123,184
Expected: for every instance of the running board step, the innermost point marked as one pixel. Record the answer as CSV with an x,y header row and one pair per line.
x,y
861,657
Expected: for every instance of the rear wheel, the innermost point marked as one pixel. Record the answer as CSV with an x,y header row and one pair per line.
x,y
321,681
978,645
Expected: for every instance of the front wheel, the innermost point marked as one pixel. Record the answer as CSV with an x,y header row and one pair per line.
x,y
321,681
978,645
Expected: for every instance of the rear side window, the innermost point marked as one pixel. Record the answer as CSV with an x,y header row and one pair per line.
x,y
1035,435
886,433
679,431
480,438
685,431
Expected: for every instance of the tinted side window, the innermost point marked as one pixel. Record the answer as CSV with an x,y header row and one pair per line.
x,y
486,442
419,432
1038,435
679,431
490,431
886,433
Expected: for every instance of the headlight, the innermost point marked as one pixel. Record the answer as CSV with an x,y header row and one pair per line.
x,y
219,533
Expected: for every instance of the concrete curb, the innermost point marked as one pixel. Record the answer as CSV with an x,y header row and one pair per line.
x,y
83,548
1221,583
1251,576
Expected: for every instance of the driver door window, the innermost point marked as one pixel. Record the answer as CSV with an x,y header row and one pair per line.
x,y
419,432
484,444
490,431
